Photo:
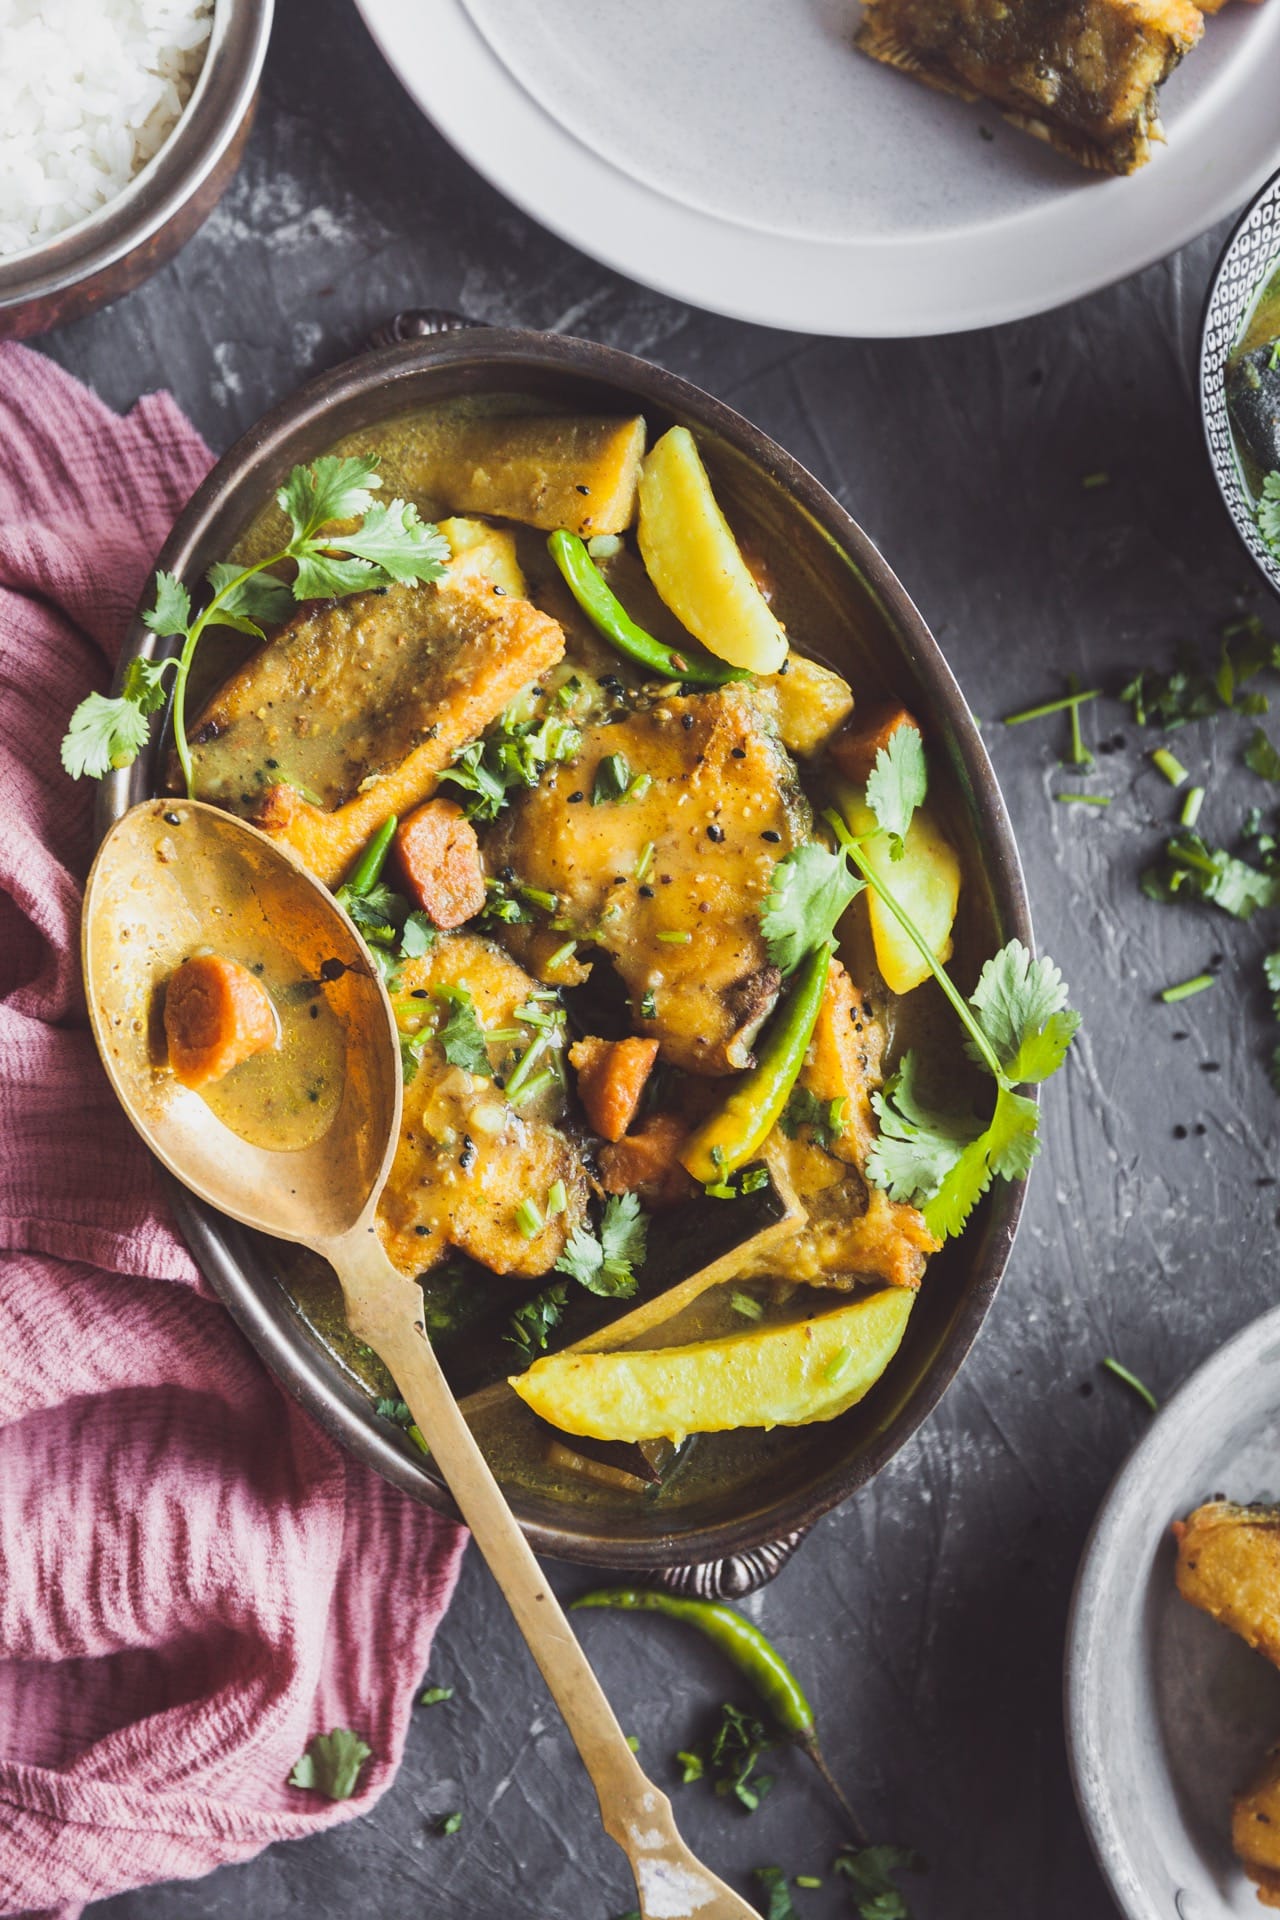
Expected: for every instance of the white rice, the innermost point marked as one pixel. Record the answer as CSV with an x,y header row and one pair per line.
x,y
89,91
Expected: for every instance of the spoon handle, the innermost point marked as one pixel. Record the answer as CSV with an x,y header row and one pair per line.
x,y
385,1310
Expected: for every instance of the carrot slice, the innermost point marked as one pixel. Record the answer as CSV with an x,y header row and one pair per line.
x,y
216,1014
853,750
611,1077
440,859
647,1163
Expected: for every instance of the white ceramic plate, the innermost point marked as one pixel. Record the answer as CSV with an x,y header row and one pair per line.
x,y
740,155
1167,1712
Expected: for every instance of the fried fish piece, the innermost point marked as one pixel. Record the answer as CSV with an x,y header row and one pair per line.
x,y
1229,1567
1079,74
659,843
853,1232
350,712
467,1157
1255,1830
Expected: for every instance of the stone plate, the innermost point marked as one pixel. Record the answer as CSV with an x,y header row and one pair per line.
x,y
1168,1713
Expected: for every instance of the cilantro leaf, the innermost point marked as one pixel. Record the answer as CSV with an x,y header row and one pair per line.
x,y
172,610
327,576
823,1118
462,1036
418,936
1007,1146
871,1869
330,488
1189,866
1262,757
435,1696
898,783
1022,1008
1269,512
103,733
331,1764
918,1144
393,538
606,1265
249,602
773,1881
513,754
809,891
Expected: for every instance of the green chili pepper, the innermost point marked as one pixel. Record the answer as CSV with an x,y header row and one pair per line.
x,y
736,1133
755,1657
368,868
612,621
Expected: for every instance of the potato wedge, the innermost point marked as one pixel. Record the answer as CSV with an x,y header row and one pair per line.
x,y
926,880
694,561
808,702
485,554
775,1375
567,470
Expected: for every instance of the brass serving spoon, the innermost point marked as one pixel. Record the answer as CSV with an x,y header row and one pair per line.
x,y
174,876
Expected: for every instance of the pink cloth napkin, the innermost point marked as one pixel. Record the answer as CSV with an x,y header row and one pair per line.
x,y
193,1578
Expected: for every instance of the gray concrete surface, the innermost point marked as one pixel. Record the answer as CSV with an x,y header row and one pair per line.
x,y
927,1616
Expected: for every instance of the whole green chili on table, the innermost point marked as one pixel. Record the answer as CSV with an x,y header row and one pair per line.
x,y
755,1657
613,623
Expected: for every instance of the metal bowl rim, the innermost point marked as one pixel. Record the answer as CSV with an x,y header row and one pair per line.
x,y
303,1374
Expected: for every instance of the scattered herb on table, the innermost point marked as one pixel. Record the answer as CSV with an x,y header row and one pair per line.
x,y
389,543
1262,757
1185,988
1271,972
1190,868
1170,766
742,1642
772,1882
331,1764
449,1824
606,1263
435,1696
1190,692
876,1894
1131,1381
730,1759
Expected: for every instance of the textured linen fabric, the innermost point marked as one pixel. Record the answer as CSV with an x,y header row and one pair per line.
x,y
194,1579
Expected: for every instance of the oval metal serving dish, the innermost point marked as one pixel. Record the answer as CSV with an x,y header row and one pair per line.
x,y
857,616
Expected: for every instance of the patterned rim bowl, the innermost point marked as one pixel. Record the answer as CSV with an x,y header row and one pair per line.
x,y
1250,257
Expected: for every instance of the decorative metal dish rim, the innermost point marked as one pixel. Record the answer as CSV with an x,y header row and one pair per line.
x,y
213,1239
220,99
1231,292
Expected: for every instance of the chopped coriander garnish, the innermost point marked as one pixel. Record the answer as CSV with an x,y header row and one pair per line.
x,y
1092,480
450,1823
1131,1380
1084,799
872,1870
1069,701
461,1036
1170,766
435,1696
1269,512
529,1219
1190,867
389,543
808,1880
675,939
897,784
639,787
331,1764
730,1759
1261,757
649,1006
533,1323
1185,988
513,754
606,1264
773,1882
1191,807
744,1304
838,1365
562,954
823,1118
1080,754
613,777
645,861
557,1199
